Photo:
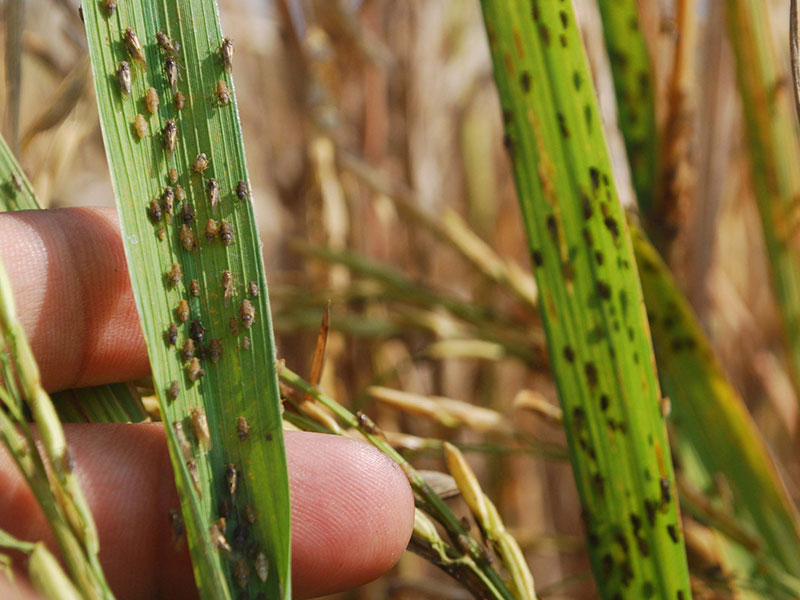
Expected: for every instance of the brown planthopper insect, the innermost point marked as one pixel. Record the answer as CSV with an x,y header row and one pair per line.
x,y
217,533
171,69
223,93
224,509
245,343
194,370
174,390
261,565
191,465
188,239
188,349
215,350
161,233
242,573
168,200
197,331
212,190
170,136
226,233
183,443
110,6
151,100
187,211
241,190
240,535
194,288
124,77
227,284
200,163
133,45
252,287
212,229
182,311
200,428
172,334
167,44
173,175
232,477
226,53
175,274
242,428
140,125
177,526
249,514
179,100
368,424
247,313
180,193
154,211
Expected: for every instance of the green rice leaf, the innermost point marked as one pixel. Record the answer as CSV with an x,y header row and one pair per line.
x,y
231,375
590,298
710,417
774,146
632,72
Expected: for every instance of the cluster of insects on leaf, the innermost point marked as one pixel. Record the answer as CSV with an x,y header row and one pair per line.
x,y
195,352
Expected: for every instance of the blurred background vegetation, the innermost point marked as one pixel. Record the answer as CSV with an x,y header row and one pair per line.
x,y
381,184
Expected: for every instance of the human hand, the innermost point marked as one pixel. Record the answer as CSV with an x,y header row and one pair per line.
x,y
352,509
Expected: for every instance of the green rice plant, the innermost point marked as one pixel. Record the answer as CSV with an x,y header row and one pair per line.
x,y
49,471
711,423
117,403
794,51
632,72
44,571
701,397
168,112
463,557
774,147
590,300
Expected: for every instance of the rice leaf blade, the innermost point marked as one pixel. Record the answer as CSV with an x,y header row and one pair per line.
x,y
229,325
710,417
632,72
590,298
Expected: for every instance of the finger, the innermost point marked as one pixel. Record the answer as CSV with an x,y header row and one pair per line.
x,y
352,510
17,589
73,295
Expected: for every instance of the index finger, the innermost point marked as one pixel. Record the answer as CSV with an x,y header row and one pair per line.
x,y
73,295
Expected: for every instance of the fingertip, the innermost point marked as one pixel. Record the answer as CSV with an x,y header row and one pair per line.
x,y
352,511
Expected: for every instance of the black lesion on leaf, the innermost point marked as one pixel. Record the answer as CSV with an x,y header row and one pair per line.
x,y
672,530
544,33
525,81
569,354
612,226
536,256
562,125
594,175
591,373
552,228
